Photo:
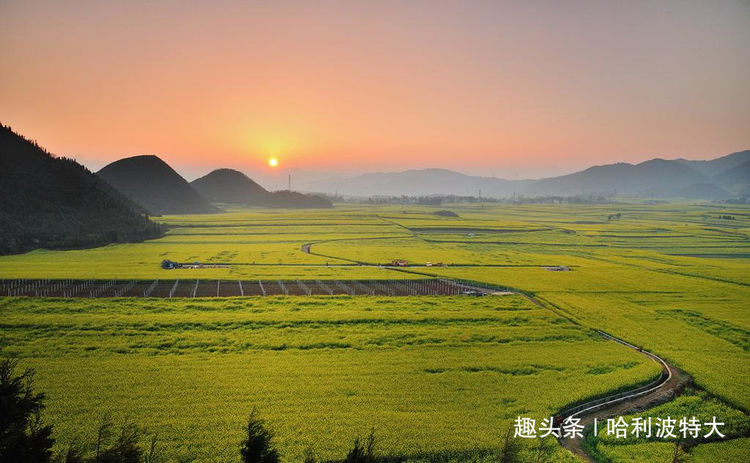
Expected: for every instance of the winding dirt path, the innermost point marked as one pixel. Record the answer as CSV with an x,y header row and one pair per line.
x,y
670,384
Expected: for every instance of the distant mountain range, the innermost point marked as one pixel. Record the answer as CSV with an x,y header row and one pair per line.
x,y
416,183
719,178
50,202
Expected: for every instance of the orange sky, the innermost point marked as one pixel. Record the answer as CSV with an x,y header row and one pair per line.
x,y
518,89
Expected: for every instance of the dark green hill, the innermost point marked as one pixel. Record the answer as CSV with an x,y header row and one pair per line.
x,y
49,202
233,187
150,182
657,176
229,186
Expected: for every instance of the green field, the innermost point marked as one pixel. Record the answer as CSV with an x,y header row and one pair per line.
x,y
430,374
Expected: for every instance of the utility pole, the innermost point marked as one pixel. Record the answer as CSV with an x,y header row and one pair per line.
x,y
290,182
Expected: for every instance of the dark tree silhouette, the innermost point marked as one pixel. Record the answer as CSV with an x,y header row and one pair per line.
x,y
309,455
113,447
362,452
23,437
258,446
543,451
510,447
679,455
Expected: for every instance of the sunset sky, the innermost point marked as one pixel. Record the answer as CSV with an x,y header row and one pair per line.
x,y
511,89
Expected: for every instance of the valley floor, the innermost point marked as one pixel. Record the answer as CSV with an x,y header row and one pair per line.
x,y
428,373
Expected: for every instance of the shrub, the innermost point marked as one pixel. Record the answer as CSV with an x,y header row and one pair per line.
x,y
258,446
125,448
23,437
679,455
362,452
309,455
510,447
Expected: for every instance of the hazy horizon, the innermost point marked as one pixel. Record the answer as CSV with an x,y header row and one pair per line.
x,y
276,178
512,90
192,172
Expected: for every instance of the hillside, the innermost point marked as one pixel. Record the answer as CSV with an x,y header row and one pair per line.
x,y
721,164
657,177
228,186
152,183
737,175
49,202
419,183
233,187
653,178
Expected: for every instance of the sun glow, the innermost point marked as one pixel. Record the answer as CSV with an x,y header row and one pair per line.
x,y
273,162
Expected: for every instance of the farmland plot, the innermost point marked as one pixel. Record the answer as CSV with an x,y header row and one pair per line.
x,y
428,373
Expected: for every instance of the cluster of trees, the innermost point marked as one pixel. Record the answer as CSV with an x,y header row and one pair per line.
x,y
425,200
25,438
437,200
432,200
551,199
293,199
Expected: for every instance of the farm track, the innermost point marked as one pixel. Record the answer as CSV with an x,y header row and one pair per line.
x,y
307,249
670,384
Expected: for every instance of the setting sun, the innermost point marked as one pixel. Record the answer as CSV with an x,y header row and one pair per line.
x,y
273,162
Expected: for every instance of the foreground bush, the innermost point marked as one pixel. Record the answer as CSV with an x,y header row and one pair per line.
x,y
113,447
23,437
258,446
362,452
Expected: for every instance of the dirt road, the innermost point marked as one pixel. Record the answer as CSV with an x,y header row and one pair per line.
x,y
671,384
